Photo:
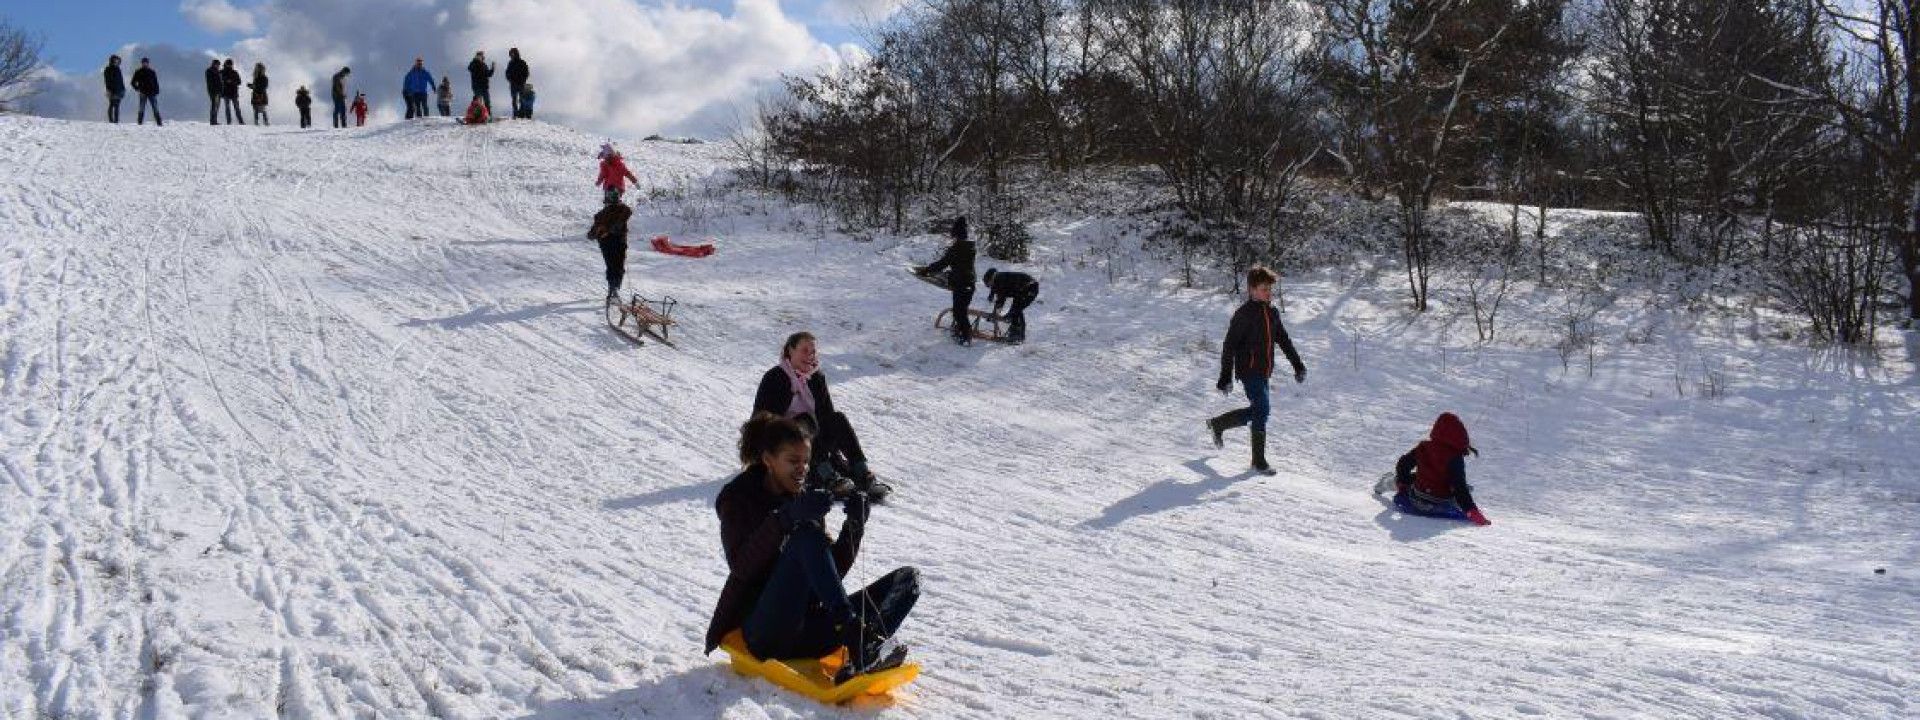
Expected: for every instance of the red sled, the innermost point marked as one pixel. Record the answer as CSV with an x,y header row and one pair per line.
x,y
662,244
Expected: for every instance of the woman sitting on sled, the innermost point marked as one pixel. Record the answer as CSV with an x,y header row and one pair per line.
x,y
1431,480
784,591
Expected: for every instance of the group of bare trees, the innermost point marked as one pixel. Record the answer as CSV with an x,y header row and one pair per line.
x,y
19,64
1773,135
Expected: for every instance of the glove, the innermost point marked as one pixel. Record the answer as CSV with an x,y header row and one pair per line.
x,y
809,506
855,506
1476,518
1300,375
1224,386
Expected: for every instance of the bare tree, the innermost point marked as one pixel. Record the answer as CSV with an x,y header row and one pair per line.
x,y
19,66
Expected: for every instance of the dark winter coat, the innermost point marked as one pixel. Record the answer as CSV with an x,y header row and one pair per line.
x,y
213,82
517,71
259,88
340,85
610,223
116,83
1008,285
958,262
1248,350
479,73
146,82
751,535
230,84
1437,467
776,393
302,99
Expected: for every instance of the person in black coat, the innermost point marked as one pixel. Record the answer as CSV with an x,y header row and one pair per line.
x,y
116,88
1018,287
480,73
230,93
1248,354
304,101
213,92
958,262
147,83
610,230
797,389
784,592
517,74
259,98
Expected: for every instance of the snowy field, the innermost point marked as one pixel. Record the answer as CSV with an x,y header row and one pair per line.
x,y
317,424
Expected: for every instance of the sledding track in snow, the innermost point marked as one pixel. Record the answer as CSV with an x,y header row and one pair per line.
x,y
320,424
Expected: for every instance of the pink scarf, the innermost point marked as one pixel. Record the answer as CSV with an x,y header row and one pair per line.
x,y
802,394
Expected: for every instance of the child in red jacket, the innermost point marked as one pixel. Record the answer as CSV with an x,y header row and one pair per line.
x,y
1431,480
359,109
613,174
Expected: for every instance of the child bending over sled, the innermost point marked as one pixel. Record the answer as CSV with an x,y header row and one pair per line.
x,y
784,573
1431,479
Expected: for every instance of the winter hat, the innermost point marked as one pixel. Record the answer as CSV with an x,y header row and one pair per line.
x,y
989,276
607,151
960,228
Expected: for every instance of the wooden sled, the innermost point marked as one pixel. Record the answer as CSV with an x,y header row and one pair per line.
x,y
991,331
814,678
637,316
937,280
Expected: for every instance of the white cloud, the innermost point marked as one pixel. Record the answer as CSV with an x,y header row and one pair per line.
x,y
849,11
218,16
620,67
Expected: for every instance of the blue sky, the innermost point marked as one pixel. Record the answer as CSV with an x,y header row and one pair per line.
x,y
622,67
80,34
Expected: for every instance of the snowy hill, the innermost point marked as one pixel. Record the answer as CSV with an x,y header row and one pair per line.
x,y
328,424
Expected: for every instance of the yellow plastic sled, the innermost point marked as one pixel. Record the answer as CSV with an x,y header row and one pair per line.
x,y
814,678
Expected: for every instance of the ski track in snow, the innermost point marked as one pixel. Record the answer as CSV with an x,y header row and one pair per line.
x,y
310,424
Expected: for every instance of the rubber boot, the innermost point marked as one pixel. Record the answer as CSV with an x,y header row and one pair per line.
x,y
1260,455
1219,425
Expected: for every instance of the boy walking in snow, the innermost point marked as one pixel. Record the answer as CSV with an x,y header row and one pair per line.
x,y
1431,479
1248,354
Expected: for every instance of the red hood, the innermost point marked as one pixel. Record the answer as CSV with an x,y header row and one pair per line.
x,y
1450,432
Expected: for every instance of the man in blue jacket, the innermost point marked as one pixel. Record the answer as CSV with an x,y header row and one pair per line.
x,y
416,88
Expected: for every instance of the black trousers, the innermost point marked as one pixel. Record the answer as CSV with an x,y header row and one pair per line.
x,y
113,108
614,251
795,616
306,117
260,115
213,109
514,90
485,99
962,322
339,111
1017,316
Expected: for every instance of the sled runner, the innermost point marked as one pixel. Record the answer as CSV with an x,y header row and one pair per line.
x,y
636,316
938,280
814,678
991,332
664,245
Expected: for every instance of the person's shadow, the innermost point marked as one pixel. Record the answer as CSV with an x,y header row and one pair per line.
x,y
1168,494
492,315
705,491
1406,527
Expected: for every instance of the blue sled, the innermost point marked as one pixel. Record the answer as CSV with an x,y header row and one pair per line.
x,y
1443,509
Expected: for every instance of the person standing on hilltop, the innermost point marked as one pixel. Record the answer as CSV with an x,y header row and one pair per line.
x,y
416,87
147,83
230,93
359,109
480,73
213,91
340,97
116,88
446,96
304,102
259,99
517,74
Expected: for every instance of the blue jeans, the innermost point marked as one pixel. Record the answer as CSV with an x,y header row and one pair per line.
x,y
1257,404
803,601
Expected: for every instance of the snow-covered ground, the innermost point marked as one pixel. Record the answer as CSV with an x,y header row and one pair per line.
x,y
328,424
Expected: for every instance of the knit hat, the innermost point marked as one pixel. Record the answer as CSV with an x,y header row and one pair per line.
x,y
960,228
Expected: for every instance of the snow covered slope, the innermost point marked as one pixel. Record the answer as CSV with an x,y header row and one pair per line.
x,y
328,424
